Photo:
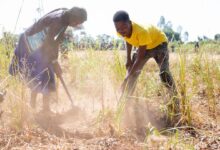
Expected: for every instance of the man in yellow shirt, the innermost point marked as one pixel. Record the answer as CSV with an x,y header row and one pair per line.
x,y
150,43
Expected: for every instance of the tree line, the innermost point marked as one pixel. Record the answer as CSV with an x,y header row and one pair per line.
x,y
82,40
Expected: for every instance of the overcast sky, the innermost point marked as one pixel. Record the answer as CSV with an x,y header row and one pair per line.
x,y
197,17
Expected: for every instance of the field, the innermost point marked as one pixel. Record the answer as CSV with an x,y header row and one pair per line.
x,y
100,121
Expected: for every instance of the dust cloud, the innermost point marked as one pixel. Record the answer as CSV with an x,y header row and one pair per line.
x,y
88,118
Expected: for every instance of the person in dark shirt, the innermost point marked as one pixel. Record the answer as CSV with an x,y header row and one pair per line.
x,y
37,51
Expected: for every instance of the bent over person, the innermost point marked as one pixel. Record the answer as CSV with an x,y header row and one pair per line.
x,y
37,51
150,43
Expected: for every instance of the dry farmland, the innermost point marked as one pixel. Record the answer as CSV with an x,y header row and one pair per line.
x,y
100,121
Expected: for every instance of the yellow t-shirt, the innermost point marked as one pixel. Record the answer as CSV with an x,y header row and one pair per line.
x,y
150,36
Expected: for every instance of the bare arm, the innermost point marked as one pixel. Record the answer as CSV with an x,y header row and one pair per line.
x,y
140,56
51,45
128,63
134,67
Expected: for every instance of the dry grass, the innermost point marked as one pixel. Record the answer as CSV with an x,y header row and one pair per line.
x,y
94,78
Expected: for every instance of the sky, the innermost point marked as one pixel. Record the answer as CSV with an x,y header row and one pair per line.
x,y
197,17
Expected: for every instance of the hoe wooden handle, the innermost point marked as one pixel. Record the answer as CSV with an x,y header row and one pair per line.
x,y
66,90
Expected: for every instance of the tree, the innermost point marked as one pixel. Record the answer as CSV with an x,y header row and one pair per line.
x,y
167,29
170,33
217,37
169,24
161,22
203,38
179,29
185,36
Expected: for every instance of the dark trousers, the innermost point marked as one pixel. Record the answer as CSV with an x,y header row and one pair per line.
x,y
161,56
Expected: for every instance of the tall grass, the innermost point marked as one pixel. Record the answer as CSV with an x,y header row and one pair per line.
x,y
205,73
97,75
16,101
118,67
184,89
118,74
209,83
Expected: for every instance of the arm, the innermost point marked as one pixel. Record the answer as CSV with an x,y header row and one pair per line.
x,y
57,68
55,42
51,45
128,62
140,56
134,67
40,25
44,22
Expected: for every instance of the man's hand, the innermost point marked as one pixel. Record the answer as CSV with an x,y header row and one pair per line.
x,y
136,65
57,68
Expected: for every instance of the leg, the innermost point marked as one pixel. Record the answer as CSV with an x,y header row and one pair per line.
x,y
33,99
48,87
47,99
46,102
162,58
